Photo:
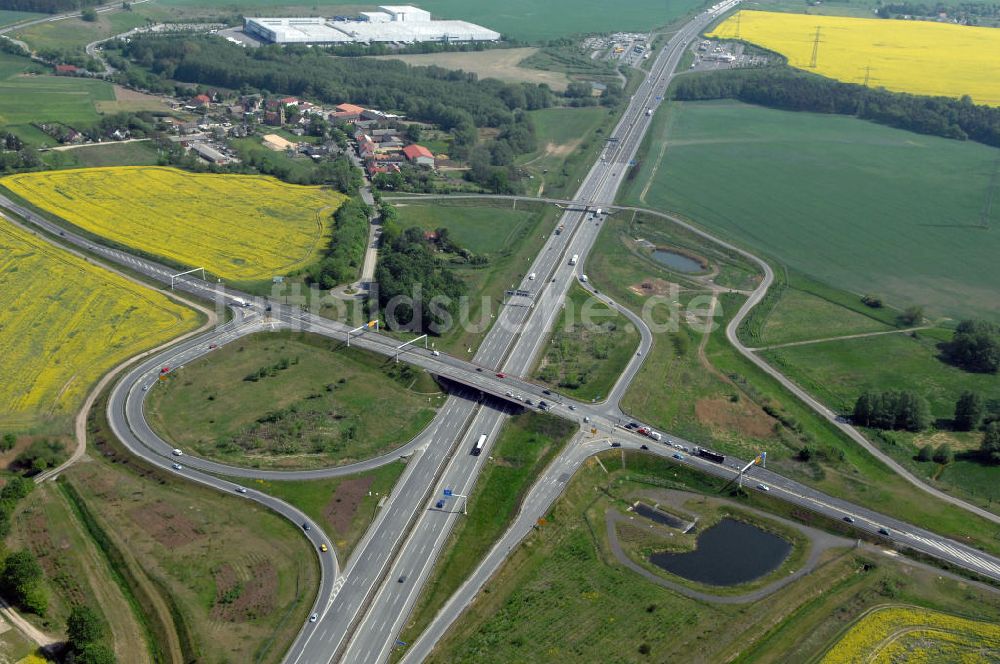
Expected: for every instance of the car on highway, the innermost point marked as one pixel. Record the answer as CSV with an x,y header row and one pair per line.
x,y
510,394
572,407
177,466
632,425
241,489
644,447
529,402
435,353
306,526
547,392
402,578
763,487
213,346
145,387
615,443
500,374
884,531
323,547
314,617
177,452
849,519
678,456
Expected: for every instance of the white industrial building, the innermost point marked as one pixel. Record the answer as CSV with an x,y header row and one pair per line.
x,y
401,24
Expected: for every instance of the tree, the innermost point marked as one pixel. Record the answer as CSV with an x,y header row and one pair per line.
x,y
990,448
89,14
969,411
96,653
8,442
83,627
975,346
943,454
15,489
413,133
20,581
926,453
911,315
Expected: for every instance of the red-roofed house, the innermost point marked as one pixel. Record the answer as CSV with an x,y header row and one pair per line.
x,y
201,101
66,69
419,155
290,101
346,113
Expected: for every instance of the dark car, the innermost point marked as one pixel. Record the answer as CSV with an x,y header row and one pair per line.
x,y
305,526
547,392
529,402
402,578
439,504
543,405
644,447
883,531
849,519
616,444
632,425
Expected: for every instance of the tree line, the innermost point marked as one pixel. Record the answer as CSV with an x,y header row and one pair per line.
x,y
46,6
789,89
444,97
346,250
415,291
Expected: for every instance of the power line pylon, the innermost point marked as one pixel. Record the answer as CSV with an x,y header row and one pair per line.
x,y
815,55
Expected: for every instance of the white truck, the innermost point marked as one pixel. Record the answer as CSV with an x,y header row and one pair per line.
x,y
574,259
583,278
649,112
531,277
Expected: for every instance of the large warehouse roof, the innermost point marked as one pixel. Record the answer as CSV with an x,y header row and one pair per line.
x,y
394,23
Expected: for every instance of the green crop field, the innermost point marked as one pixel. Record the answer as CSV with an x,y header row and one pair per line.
x,y
76,33
481,230
7,16
106,154
845,201
525,20
27,98
292,400
838,371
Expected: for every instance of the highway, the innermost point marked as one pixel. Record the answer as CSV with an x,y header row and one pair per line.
x,y
363,606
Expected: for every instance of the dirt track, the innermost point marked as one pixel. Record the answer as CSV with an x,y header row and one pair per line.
x,y
499,63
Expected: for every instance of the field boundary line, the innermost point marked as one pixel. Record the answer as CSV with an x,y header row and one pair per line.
x,y
845,337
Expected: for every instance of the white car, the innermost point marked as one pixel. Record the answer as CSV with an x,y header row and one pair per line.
x,y
314,617
435,353
763,487
240,489
177,452
177,466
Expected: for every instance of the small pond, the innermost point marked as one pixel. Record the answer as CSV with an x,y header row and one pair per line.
x,y
678,262
729,553
658,516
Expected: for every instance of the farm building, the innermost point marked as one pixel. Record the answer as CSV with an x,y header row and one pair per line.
x,y
419,155
402,24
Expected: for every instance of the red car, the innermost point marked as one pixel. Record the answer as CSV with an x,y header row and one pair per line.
x,y
164,369
501,375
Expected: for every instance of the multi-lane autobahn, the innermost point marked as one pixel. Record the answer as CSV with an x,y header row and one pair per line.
x,y
362,608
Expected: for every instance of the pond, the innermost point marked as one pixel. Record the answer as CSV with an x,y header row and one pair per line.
x,y
678,262
658,516
729,553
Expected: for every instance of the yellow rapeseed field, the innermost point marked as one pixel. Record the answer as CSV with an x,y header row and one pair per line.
x,y
911,634
64,323
238,227
905,56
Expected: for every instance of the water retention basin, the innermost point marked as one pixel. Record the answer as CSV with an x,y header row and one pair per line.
x,y
728,554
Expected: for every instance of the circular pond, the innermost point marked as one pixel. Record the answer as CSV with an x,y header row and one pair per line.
x,y
677,261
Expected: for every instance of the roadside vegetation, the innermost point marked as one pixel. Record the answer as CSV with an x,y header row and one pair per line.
x,y
242,228
344,506
525,447
587,353
489,247
292,400
562,594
